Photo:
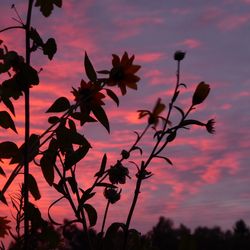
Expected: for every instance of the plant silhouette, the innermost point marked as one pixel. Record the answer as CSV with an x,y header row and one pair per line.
x,y
58,150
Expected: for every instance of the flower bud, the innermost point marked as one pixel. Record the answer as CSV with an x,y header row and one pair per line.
x,y
201,93
112,195
210,126
179,55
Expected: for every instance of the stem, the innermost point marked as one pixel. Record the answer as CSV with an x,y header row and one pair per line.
x,y
105,217
27,131
12,27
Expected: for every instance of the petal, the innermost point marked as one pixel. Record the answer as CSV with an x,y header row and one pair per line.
x,y
115,60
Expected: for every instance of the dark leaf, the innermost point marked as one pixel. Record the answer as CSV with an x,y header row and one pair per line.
x,y
36,37
113,96
47,163
60,105
180,110
75,156
103,166
6,121
89,69
59,187
33,188
46,6
101,116
8,150
92,214
53,119
72,125
166,159
2,198
7,102
176,94
2,172
183,84
171,136
50,48
86,195
27,76
72,183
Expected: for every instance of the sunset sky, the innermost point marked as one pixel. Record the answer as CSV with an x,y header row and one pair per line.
x,y
209,181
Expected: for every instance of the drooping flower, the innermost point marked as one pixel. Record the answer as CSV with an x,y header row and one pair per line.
x,y
123,73
118,173
210,126
112,195
201,93
154,116
179,55
88,95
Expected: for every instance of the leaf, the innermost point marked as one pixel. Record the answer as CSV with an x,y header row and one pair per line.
x,y
6,121
33,188
47,163
86,195
7,102
4,227
171,136
166,159
2,198
75,157
136,148
53,119
113,96
50,48
101,116
92,214
89,69
103,166
180,110
60,105
34,35
8,150
2,172
73,184
27,76
46,6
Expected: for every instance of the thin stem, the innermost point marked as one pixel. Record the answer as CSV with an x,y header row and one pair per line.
x,y
11,28
105,217
27,131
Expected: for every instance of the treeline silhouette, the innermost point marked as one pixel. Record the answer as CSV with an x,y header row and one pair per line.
x,y
163,236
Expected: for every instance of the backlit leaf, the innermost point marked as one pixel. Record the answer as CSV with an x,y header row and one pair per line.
x,y
113,96
101,116
8,150
92,214
7,102
60,105
103,166
50,48
47,164
6,121
33,188
89,69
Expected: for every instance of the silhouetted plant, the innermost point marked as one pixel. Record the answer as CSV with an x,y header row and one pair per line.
x,y
59,149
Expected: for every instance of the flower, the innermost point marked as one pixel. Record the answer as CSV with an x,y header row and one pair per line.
x,y
210,126
112,195
88,95
179,55
123,73
154,115
118,173
201,93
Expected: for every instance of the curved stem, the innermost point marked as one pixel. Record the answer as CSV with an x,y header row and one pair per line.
x,y
11,28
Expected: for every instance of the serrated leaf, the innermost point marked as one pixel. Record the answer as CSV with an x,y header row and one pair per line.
x,y
50,48
103,166
46,6
60,105
101,116
8,150
2,172
92,214
89,69
113,96
33,188
6,121
75,156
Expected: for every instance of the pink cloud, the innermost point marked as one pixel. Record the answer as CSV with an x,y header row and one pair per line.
x,y
190,43
233,22
149,57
